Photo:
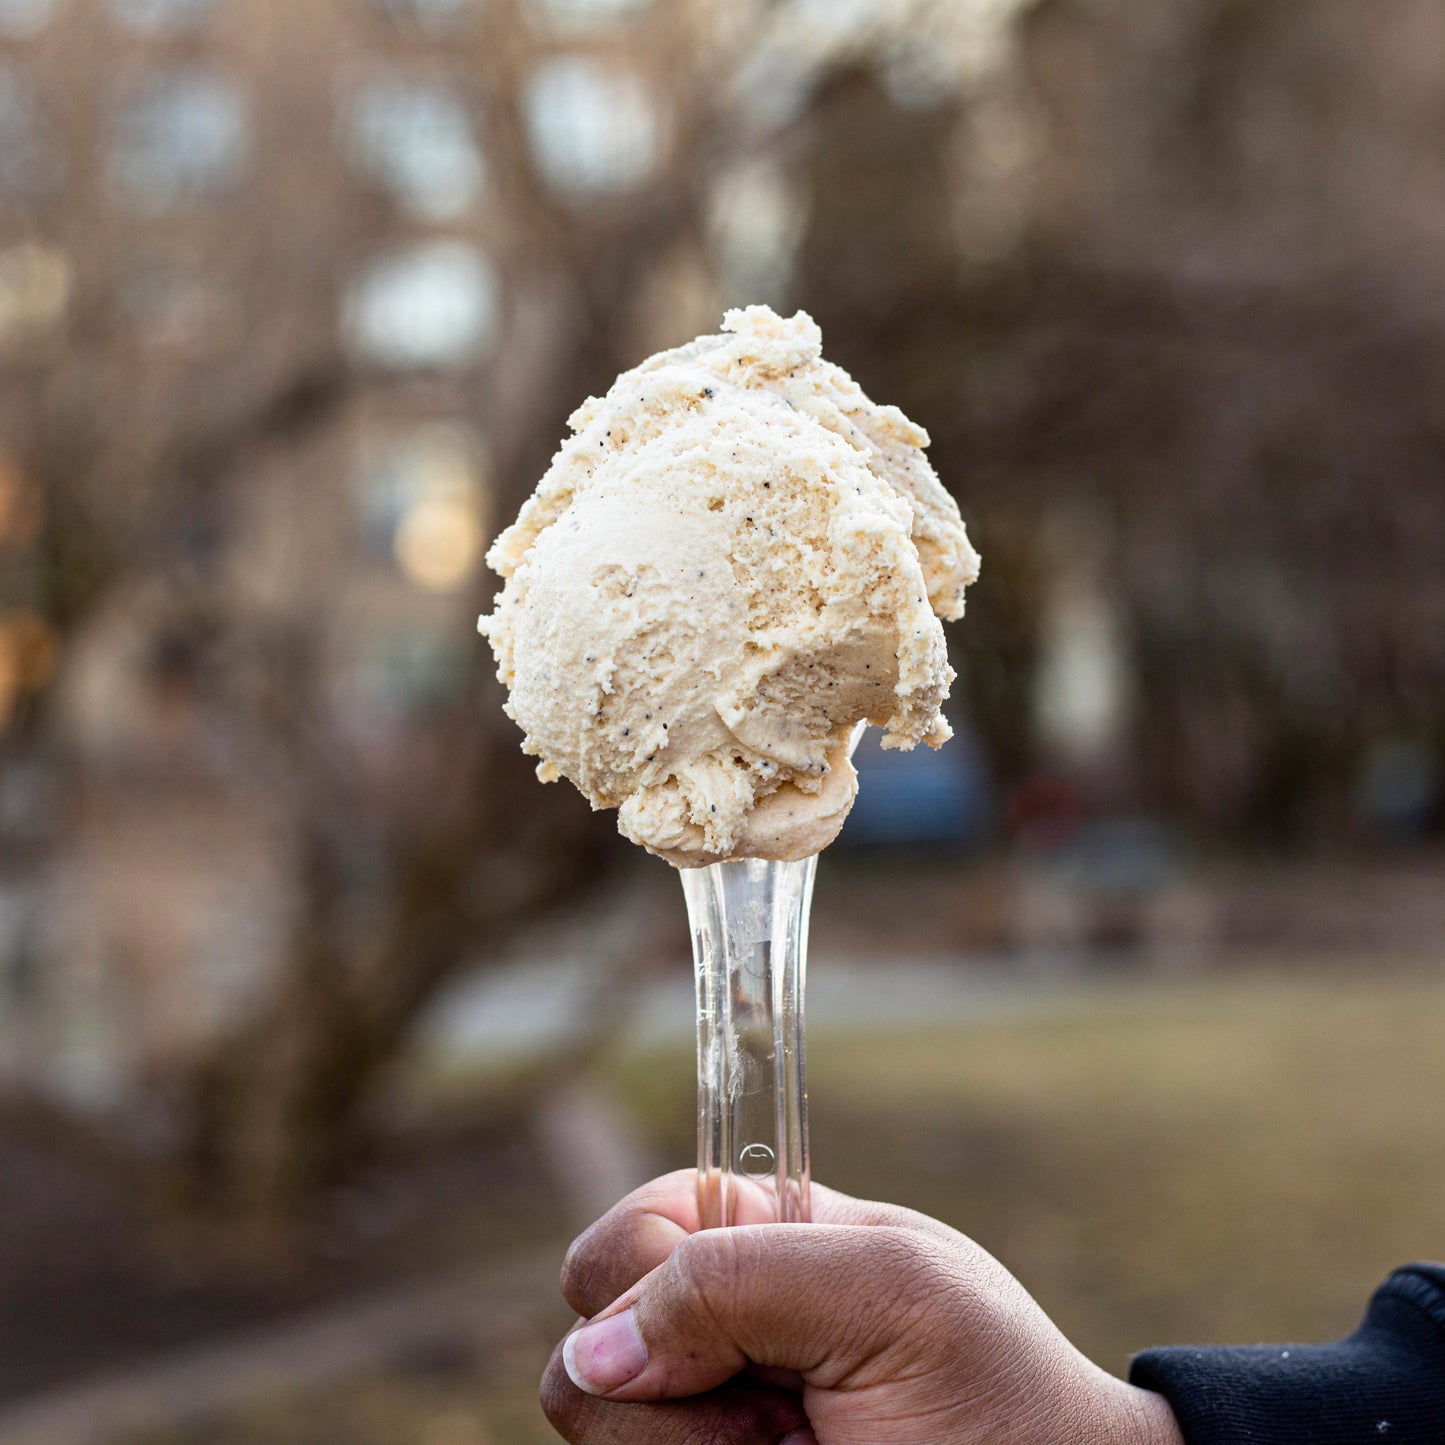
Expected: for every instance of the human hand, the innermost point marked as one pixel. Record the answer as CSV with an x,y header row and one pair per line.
x,y
871,1326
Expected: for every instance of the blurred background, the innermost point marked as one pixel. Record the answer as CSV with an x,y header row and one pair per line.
x,y
323,1026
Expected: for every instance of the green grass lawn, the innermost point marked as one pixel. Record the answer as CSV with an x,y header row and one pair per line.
x,y
1232,1160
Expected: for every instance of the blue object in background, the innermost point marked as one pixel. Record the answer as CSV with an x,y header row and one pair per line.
x,y
924,796
1399,790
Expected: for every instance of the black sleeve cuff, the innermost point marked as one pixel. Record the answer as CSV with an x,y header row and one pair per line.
x,y
1384,1385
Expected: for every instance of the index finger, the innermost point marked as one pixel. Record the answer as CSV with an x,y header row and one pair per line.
x,y
629,1241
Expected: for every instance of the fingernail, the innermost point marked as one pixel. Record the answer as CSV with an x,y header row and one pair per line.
x,y
801,1437
604,1356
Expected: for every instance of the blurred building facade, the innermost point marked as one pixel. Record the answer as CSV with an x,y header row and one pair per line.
x,y
294,301
259,262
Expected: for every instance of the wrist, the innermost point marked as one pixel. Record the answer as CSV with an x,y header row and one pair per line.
x,y
1151,1420
1109,1411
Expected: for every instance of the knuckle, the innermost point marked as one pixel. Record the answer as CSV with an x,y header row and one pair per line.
x,y
705,1269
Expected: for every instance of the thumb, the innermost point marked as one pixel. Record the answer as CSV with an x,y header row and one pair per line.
x,y
836,1303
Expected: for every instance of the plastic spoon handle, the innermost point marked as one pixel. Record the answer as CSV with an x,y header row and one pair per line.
x,y
749,923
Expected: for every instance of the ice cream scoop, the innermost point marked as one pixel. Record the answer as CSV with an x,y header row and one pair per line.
x,y
735,558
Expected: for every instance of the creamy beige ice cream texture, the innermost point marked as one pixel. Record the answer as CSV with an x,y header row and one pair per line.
x,y
734,559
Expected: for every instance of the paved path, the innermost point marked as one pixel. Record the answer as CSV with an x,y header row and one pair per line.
x,y
529,1007
595,1155
184,1389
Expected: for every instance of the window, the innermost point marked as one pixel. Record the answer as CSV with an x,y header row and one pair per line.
x,y
22,18
772,88
179,137
592,128
35,286
416,138
422,504
27,657
579,17
754,222
160,17
433,305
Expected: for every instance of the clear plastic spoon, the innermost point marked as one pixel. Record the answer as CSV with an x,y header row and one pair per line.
x,y
749,922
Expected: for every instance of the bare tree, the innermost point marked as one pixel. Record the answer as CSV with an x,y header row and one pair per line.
x,y
157,468
1150,273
